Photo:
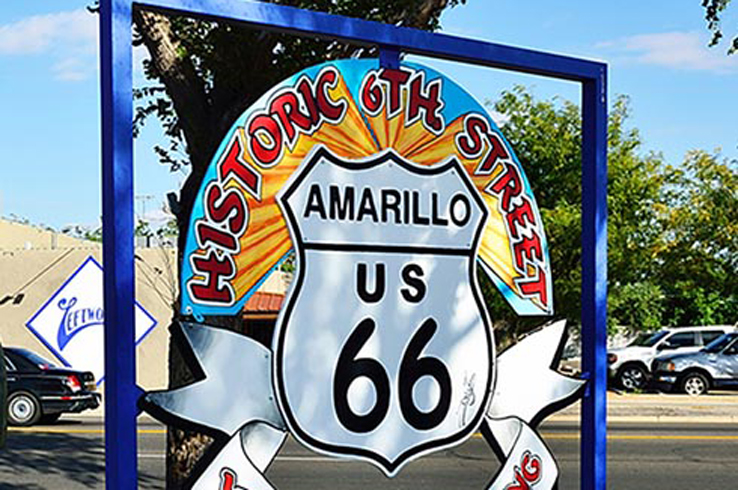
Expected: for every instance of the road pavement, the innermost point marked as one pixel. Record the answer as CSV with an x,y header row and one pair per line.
x,y
682,452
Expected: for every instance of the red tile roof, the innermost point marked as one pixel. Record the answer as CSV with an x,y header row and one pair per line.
x,y
264,303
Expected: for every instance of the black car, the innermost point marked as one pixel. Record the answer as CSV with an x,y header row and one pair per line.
x,y
40,391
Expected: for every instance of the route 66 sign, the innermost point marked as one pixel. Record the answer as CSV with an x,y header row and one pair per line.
x,y
393,187
383,350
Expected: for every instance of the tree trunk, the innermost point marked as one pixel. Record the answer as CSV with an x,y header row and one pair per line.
x,y
204,112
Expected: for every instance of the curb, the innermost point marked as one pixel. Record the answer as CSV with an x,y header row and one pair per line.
x,y
653,419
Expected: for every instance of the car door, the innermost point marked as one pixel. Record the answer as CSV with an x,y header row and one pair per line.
x,y
727,364
681,342
22,374
10,371
710,335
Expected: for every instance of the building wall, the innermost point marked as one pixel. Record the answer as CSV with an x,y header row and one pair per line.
x,y
34,263
19,236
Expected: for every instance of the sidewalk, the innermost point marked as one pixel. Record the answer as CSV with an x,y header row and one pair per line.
x,y
717,408
714,408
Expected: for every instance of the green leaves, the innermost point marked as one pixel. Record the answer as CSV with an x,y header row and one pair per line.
x,y
672,230
700,244
713,12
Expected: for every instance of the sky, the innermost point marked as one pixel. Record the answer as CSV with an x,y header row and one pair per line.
x,y
683,94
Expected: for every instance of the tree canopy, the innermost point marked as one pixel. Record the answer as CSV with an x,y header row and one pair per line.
x,y
205,73
714,10
672,237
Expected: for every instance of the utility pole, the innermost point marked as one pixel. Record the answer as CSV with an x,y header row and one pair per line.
x,y
144,198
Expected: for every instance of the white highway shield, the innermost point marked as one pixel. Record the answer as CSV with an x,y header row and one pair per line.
x,y
383,351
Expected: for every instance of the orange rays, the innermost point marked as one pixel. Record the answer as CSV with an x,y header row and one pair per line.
x,y
357,136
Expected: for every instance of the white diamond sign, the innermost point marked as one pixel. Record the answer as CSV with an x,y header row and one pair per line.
x,y
71,322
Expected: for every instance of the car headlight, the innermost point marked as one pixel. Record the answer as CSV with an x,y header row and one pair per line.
x,y
669,366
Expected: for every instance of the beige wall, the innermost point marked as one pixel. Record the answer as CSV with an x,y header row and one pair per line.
x,y
34,264
18,236
31,271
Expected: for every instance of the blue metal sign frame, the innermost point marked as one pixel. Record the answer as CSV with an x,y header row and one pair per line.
x,y
117,182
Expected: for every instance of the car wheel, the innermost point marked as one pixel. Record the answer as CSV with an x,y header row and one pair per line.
x,y
23,409
695,384
632,377
50,418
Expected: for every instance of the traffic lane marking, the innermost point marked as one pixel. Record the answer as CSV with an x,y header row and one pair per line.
x,y
52,430
295,459
547,435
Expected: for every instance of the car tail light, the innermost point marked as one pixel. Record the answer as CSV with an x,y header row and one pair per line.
x,y
73,383
612,358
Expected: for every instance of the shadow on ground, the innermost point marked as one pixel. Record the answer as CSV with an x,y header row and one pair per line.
x,y
65,458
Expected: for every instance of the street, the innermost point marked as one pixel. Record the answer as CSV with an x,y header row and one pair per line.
x,y
70,455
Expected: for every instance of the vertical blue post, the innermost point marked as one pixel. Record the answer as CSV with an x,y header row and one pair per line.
x,y
118,246
594,281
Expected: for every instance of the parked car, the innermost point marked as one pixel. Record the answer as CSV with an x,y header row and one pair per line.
x,y
40,391
715,366
629,367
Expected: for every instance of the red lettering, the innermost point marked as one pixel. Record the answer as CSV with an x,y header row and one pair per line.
x,y
287,109
429,102
229,206
508,184
300,109
234,165
371,94
227,479
531,467
495,153
534,286
333,110
520,483
477,130
527,474
208,234
395,79
470,141
306,91
214,268
517,217
527,249
265,139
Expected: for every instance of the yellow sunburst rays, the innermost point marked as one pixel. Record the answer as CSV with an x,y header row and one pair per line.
x,y
267,238
420,146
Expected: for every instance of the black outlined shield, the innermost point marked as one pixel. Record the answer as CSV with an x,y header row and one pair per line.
x,y
383,350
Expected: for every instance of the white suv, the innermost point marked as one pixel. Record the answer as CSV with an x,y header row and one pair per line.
x,y
630,366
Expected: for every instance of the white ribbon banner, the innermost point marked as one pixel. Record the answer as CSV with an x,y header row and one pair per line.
x,y
527,389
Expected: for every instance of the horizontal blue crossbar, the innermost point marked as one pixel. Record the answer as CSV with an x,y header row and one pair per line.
x,y
319,24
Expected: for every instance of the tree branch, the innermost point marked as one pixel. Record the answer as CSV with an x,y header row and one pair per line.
x,y
183,85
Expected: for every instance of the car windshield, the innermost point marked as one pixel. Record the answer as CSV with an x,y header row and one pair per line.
x,y
720,343
648,339
37,360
